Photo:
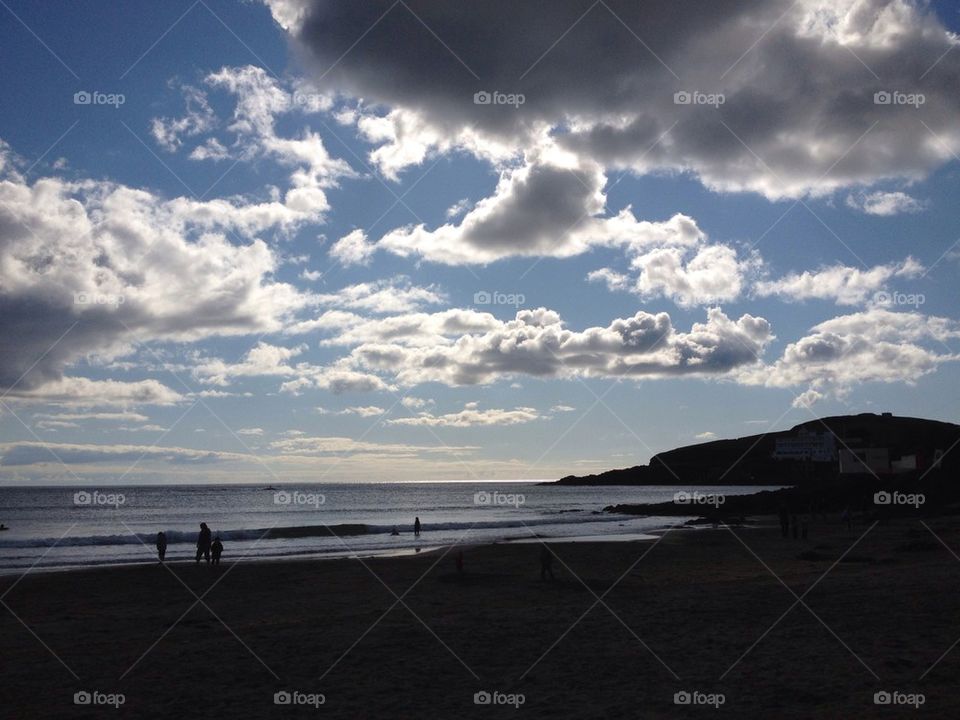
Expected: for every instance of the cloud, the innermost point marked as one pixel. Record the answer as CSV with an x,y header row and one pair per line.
x,y
704,275
250,431
387,295
843,284
89,269
353,249
307,445
260,100
417,328
470,416
546,207
361,410
96,416
200,118
874,345
537,344
32,453
798,81
266,360
885,204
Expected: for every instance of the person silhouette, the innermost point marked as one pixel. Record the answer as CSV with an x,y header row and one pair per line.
x,y
161,545
416,527
546,563
203,542
217,550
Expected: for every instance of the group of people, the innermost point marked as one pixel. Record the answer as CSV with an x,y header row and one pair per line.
x,y
209,549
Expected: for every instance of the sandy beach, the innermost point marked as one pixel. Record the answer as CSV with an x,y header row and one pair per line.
x,y
685,617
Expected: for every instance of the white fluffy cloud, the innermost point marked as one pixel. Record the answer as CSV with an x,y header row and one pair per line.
x,y
843,284
91,268
884,203
875,345
471,416
536,343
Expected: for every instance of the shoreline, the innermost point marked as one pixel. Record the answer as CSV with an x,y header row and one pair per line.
x,y
335,555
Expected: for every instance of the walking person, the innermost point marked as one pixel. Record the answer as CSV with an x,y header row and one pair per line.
x,y
161,545
216,550
546,563
203,543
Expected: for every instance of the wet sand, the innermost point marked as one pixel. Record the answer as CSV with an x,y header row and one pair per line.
x,y
686,609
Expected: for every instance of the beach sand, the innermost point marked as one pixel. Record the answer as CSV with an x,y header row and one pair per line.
x,y
687,608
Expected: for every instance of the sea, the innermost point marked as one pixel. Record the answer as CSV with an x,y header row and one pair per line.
x,y
63,528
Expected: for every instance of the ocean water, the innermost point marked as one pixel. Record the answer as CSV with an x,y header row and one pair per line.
x,y
66,527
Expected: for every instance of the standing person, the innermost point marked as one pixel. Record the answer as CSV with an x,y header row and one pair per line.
x,y
546,563
203,542
217,550
416,527
161,545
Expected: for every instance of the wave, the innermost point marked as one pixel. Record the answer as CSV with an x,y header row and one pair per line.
x,y
182,537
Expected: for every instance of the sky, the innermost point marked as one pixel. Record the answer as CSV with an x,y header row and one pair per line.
x,y
392,241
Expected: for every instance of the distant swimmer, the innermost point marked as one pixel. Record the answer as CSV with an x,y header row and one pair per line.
x,y
3,527
161,545
416,527
395,531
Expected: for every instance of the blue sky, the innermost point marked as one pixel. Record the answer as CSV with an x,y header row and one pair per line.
x,y
271,260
